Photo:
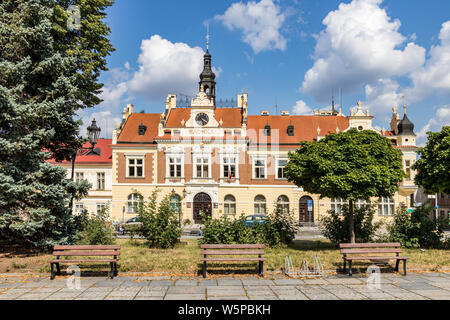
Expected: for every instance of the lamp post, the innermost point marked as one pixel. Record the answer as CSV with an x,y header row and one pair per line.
x,y
93,134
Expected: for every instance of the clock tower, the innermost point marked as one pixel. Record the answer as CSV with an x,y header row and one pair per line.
x,y
207,77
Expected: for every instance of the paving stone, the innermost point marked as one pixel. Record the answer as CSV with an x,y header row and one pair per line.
x,y
8,285
186,290
63,295
258,292
229,282
135,284
293,297
232,291
186,283
148,298
418,286
257,282
45,290
92,296
108,283
184,297
288,282
431,293
207,283
315,281
161,283
346,281
228,298
33,296
119,298
273,297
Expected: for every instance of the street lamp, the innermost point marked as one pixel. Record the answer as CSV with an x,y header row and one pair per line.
x,y
93,132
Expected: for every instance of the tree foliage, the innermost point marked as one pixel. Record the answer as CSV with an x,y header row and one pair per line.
x,y
160,225
351,165
434,164
39,86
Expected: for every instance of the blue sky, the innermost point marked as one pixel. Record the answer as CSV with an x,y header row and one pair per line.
x,y
291,52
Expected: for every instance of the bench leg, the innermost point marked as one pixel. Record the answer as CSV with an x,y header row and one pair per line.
x,y
396,265
345,265
204,269
261,268
350,268
115,269
58,269
52,274
404,267
112,270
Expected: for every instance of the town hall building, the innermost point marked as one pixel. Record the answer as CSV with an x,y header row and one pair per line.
x,y
215,161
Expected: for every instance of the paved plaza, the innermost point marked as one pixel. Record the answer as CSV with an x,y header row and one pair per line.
x,y
424,286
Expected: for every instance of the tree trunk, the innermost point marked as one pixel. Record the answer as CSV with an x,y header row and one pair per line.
x,y
351,221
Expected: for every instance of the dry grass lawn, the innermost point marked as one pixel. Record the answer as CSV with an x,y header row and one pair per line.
x,y
136,256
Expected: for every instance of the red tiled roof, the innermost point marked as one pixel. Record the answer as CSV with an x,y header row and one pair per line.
x,y
305,128
130,132
231,117
105,156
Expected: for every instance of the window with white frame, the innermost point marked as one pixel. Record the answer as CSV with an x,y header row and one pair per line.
x,y
408,169
229,167
362,203
134,200
135,167
259,169
260,205
337,204
79,207
281,164
386,206
202,167
79,176
100,181
283,203
175,167
100,207
229,204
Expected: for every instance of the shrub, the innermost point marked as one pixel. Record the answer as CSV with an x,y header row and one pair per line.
x,y
414,230
335,227
279,229
98,229
160,225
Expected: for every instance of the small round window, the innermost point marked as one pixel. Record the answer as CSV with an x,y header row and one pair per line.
x,y
360,128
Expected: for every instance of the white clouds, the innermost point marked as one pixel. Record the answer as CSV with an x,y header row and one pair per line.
x,y
301,108
382,96
165,66
260,23
434,76
360,45
435,124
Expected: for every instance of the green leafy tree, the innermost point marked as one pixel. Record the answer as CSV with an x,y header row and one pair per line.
x,y
352,165
45,78
160,225
98,229
434,164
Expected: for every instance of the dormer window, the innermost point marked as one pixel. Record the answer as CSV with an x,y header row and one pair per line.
x,y
142,129
267,130
290,130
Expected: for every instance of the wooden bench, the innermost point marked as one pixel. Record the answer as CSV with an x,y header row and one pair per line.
x,y
108,253
374,252
231,250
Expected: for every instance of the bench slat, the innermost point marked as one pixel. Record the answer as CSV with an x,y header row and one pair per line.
x,y
83,261
232,246
368,245
86,253
376,258
233,259
362,251
87,247
231,252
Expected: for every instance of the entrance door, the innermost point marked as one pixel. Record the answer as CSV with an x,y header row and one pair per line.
x,y
306,211
202,207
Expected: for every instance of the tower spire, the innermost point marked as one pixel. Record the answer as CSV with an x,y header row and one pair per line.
x,y
207,77
207,37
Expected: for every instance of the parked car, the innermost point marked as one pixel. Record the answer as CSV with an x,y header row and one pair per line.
x,y
132,224
256,218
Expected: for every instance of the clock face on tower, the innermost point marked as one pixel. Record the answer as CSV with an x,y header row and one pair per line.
x,y
202,119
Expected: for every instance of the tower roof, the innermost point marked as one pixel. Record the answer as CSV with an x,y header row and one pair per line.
x,y
405,127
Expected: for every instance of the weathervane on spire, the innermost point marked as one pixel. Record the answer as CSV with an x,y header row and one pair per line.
x,y
207,36
404,104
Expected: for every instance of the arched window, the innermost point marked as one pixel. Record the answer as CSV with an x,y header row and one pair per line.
x,y
386,206
260,205
175,203
283,202
133,202
230,204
